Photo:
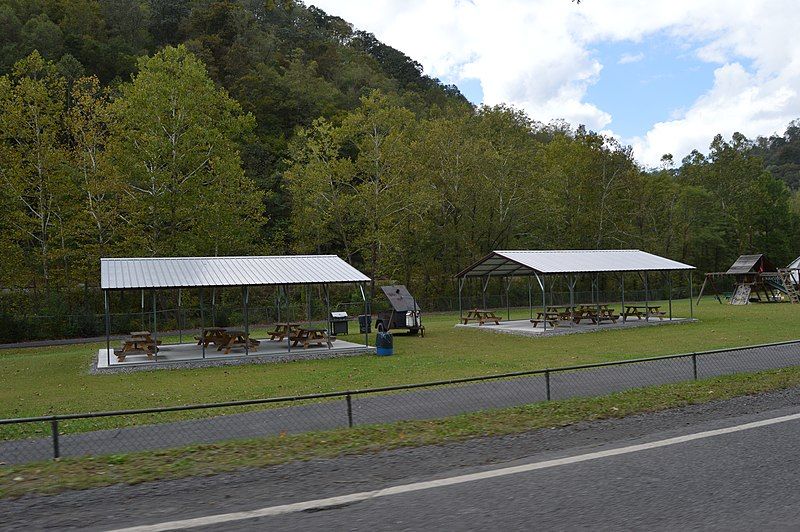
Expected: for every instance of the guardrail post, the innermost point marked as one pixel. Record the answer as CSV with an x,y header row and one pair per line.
x,y
349,410
54,428
547,383
694,365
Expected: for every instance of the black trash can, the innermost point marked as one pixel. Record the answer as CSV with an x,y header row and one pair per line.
x,y
338,323
364,323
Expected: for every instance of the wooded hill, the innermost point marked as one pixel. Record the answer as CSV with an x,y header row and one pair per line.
x,y
232,127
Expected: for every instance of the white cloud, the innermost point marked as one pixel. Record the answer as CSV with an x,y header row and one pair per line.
x,y
537,55
630,58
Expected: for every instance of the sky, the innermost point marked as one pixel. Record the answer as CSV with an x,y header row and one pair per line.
x,y
663,76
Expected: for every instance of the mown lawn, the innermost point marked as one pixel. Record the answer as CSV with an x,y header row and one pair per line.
x,y
39,381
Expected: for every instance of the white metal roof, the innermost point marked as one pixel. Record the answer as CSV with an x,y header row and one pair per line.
x,y
515,263
176,272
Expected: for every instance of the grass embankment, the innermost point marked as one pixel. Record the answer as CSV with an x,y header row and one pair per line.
x,y
41,381
56,476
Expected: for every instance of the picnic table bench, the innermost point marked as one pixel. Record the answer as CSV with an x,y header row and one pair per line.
x,y
230,339
596,313
138,341
481,316
644,311
211,335
311,336
550,317
282,330
565,312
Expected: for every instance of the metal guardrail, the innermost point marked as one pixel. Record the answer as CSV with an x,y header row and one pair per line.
x,y
589,373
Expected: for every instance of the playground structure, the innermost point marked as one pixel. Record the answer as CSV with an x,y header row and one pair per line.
x,y
757,279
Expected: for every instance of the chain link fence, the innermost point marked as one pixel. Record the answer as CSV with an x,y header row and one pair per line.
x,y
109,433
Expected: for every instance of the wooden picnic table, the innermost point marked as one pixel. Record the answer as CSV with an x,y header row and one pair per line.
x,y
309,335
565,312
481,316
597,316
234,338
282,330
138,341
644,311
550,317
211,335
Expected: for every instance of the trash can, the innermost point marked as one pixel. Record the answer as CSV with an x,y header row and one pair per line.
x,y
364,323
384,343
338,323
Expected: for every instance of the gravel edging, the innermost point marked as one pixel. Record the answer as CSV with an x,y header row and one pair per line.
x,y
237,361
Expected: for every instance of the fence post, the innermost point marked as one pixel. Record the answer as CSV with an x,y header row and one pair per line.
x,y
54,428
694,365
349,411
547,382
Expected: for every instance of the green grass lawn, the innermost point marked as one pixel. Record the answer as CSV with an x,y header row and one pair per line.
x,y
40,381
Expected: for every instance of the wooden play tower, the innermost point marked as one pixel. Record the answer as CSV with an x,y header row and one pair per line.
x,y
756,279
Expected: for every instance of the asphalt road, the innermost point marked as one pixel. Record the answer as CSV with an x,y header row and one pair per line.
x,y
743,480
414,404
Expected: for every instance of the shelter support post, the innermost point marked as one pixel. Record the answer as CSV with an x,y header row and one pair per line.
x,y
485,287
622,295
669,287
108,327
507,283
596,289
691,297
367,317
572,280
288,329
328,309
646,298
180,319
155,326
540,280
245,298
144,325
202,322
460,304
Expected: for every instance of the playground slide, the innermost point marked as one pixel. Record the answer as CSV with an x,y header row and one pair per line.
x,y
776,284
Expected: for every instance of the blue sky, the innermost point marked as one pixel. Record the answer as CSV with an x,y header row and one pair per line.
x,y
641,83
665,81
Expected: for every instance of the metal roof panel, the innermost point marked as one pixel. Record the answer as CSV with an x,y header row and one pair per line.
x,y
528,262
176,272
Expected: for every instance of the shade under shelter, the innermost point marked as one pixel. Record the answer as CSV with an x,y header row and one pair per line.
x,y
544,264
157,273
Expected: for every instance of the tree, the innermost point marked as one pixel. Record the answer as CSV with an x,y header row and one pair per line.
x,y
355,182
99,225
175,145
32,158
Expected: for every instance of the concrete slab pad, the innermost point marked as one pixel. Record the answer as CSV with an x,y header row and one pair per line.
x,y
192,355
526,328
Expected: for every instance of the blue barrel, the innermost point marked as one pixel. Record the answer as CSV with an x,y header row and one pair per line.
x,y
384,342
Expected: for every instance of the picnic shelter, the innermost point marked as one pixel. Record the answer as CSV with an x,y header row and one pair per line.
x,y
546,266
153,274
